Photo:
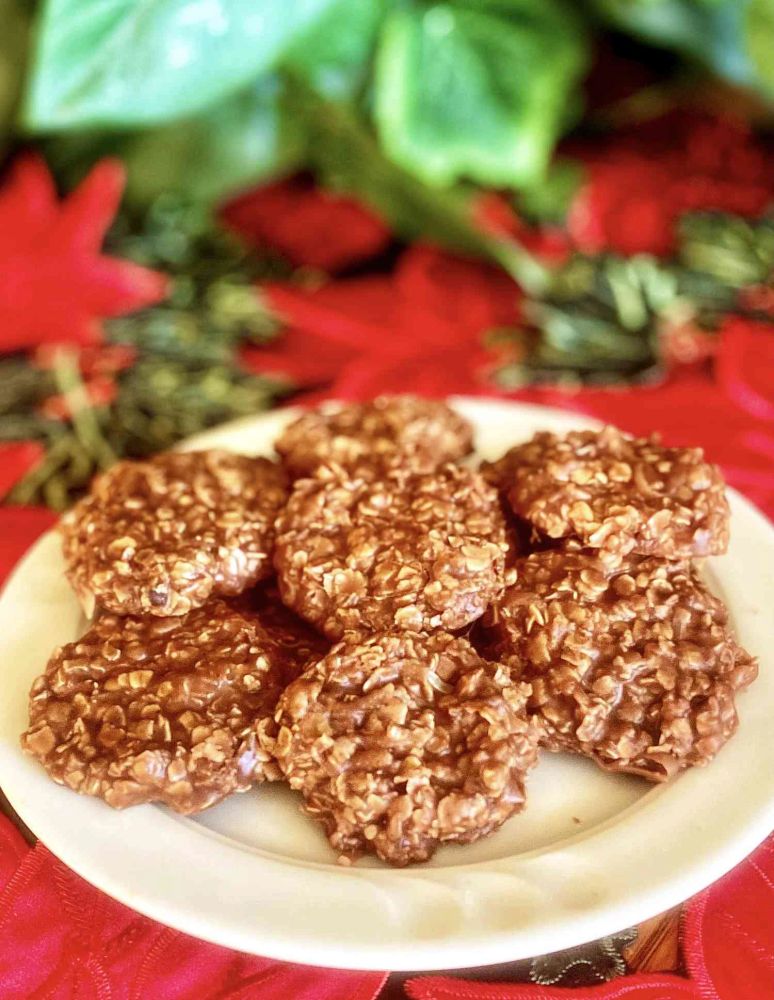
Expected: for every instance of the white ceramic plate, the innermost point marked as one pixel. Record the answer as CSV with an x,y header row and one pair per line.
x,y
593,853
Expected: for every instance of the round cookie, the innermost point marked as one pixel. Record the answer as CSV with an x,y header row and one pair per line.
x,y
158,710
159,537
414,433
401,742
297,641
634,666
617,493
409,550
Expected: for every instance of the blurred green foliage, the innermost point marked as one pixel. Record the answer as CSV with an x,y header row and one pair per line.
x,y
426,98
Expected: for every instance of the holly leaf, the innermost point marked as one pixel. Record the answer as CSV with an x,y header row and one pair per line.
x,y
333,56
476,89
130,63
244,140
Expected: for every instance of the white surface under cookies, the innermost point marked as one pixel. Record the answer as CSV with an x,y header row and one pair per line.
x,y
591,854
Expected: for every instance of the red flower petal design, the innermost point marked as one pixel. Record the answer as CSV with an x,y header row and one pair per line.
x,y
418,330
642,179
307,224
55,285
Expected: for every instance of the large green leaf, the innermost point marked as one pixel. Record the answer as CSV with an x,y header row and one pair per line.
x,y
476,88
333,56
245,139
346,157
132,62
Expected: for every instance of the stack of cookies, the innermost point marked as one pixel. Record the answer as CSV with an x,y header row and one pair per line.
x,y
389,631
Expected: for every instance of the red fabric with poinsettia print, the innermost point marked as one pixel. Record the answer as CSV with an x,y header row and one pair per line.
x,y
639,181
642,987
306,224
64,940
55,284
418,330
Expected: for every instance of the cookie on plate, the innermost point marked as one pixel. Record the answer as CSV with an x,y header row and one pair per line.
x,y
408,550
158,709
400,742
634,666
617,493
160,537
298,643
414,433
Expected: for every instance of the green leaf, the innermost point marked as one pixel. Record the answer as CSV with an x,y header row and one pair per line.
x,y
347,157
244,140
759,28
132,62
333,56
476,89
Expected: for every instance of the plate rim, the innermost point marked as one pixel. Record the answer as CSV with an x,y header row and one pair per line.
x,y
595,918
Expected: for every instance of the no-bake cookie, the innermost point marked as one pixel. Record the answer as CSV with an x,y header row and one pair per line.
x,y
159,709
634,666
616,493
391,430
408,550
401,742
160,537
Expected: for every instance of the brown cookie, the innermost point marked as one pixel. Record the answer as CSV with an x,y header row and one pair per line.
x,y
414,433
617,493
297,641
635,666
160,537
402,741
158,710
409,550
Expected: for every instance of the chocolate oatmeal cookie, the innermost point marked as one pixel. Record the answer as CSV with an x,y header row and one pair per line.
x,y
401,742
298,643
634,666
617,493
416,551
159,537
158,709
414,433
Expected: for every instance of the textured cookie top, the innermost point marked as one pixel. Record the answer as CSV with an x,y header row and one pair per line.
x,y
415,433
617,493
403,741
159,537
158,710
415,551
636,666
297,642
